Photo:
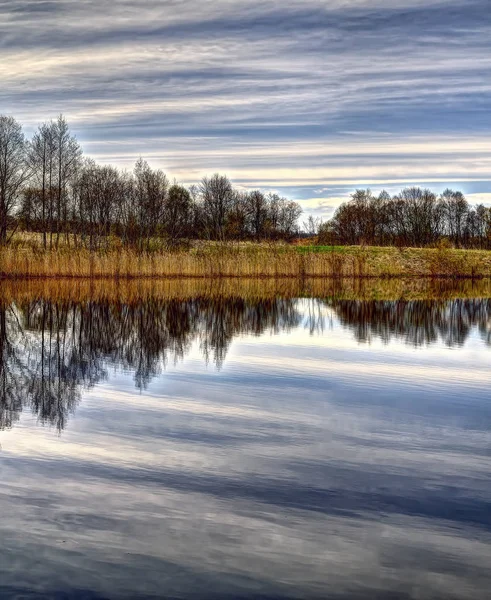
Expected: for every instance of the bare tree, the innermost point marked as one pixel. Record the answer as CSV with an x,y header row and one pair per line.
x,y
290,212
312,225
42,151
177,212
56,192
151,189
283,216
456,209
98,191
218,198
257,213
68,155
415,217
14,170
421,216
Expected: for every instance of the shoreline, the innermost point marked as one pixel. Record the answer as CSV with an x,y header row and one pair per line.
x,y
138,290
120,278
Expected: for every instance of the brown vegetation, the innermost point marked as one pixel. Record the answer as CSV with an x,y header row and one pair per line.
x,y
26,259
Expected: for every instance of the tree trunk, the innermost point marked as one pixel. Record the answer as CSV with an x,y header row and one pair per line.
x,y
3,225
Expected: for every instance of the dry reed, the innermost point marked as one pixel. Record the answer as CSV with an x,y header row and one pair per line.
x,y
243,260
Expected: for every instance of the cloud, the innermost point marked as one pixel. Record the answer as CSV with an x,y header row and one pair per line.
x,y
482,198
288,95
199,484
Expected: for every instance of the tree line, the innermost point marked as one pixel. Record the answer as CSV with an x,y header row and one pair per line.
x,y
414,217
48,186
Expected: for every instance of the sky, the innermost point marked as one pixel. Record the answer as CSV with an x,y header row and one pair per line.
x,y
308,98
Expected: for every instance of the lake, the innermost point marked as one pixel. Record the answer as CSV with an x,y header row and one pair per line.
x,y
245,440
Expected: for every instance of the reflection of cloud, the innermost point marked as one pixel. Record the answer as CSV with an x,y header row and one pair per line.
x,y
298,93
290,472
413,375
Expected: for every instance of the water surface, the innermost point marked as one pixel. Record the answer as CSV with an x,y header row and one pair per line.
x,y
278,443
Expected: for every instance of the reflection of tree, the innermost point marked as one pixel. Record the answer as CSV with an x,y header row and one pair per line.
x,y
222,319
417,322
12,375
50,351
34,369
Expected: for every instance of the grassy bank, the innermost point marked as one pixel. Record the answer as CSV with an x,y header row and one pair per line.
x,y
244,260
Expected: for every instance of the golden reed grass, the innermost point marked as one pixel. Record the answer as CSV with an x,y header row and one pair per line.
x,y
131,291
248,260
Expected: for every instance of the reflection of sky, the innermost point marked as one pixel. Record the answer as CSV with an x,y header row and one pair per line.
x,y
307,466
308,97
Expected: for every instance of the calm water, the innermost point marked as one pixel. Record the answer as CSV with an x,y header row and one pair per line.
x,y
229,448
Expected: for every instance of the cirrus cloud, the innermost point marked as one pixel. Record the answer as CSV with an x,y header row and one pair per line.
x,y
292,95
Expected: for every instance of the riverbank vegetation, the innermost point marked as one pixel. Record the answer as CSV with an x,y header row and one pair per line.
x,y
413,218
47,186
62,215
25,257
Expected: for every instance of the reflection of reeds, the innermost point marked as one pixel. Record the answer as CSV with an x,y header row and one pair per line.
x,y
132,290
244,260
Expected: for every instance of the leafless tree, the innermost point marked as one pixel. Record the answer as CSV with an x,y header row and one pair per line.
x,y
47,186
456,209
217,197
177,213
312,225
68,156
14,170
414,217
257,214
42,156
151,188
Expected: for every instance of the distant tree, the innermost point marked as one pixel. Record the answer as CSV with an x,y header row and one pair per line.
x,y
127,211
238,217
421,216
29,208
414,217
14,170
217,197
42,156
151,188
327,234
99,192
177,212
68,156
256,209
288,215
46,185
482,226
455,208
312,225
